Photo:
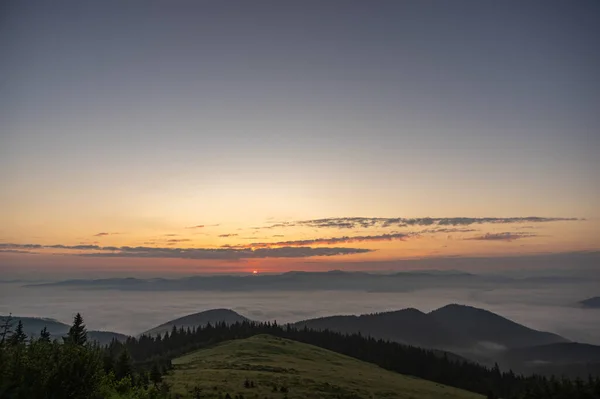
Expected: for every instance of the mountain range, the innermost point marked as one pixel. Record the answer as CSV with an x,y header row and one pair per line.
x,y
459,330
310,281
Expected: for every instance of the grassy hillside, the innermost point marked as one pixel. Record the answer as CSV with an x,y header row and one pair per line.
x,y
305,370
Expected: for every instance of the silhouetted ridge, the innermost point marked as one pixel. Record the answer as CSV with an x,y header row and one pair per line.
x,y
479,325
593,303
452,327
409,326
200,319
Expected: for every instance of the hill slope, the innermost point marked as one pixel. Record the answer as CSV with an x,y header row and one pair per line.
x,y
409,326
479,325
305,370
199,319
593,303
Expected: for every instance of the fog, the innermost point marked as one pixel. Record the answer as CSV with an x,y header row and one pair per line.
x,y
545,307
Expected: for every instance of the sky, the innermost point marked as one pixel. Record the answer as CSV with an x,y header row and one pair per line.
x,y
204,136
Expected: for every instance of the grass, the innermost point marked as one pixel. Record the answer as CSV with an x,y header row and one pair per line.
x,y
305,371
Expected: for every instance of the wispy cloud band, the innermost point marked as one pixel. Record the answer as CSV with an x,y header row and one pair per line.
x,y
505,236
191,253
330,240
365,222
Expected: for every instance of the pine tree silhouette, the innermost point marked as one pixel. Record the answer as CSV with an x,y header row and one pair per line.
x,y
77,333
18,337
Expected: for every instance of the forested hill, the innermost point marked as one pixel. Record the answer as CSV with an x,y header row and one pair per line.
x,y
392,356
199,320
452,327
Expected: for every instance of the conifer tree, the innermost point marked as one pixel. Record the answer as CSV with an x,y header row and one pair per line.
x,y
155,375
45,335
19,336
77,333
124,366
5,329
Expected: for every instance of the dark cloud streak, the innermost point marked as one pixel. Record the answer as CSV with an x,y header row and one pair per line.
x,y
364,222
505,236
331,240
192,253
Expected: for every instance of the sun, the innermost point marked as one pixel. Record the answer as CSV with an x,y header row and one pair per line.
x,y
254,271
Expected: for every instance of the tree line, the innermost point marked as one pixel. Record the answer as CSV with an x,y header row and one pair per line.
x,y
71,367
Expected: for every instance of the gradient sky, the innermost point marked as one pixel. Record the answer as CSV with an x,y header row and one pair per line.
x,y
126,124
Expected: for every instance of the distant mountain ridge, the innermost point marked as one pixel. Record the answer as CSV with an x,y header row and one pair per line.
x,y
33,325
484,326
310,281
451,327
593,303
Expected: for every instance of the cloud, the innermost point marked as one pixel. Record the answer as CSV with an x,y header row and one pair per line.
x,y
174,240
103,234
449,230
364,222
227,235
506,236
170,235
17,251
20,246
330,241
193,253
226,253
195,227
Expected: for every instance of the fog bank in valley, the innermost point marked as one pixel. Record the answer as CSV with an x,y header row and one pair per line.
x,y
549,307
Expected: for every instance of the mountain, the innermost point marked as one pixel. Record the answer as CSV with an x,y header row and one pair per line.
x,y
298,370
465,330
409,326
295,280
33,325
198,319
482,326
593,303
